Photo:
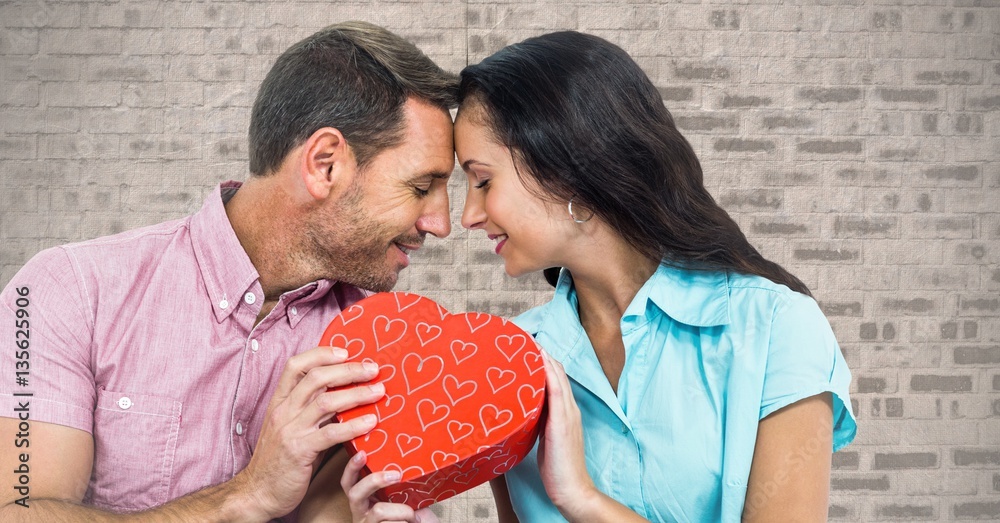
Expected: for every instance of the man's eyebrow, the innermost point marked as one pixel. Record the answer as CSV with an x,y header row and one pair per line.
x,y
437,175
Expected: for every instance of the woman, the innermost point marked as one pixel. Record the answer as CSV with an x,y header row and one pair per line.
x,y
708,385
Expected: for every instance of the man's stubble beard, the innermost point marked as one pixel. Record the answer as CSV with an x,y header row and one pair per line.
x,y
349,245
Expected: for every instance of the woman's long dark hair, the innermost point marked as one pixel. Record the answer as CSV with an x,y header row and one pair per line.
x,y
586,122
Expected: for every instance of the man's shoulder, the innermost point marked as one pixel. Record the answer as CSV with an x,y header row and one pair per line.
x,y
136,240
109,255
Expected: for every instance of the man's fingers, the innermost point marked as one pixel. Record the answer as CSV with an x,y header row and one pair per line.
x,y
297,366
337,433
318,379
326,404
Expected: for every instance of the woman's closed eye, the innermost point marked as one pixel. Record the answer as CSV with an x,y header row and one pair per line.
x,y
483,184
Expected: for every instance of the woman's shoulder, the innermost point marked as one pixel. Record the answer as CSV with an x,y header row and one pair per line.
x,y
708,297
746,290
758,286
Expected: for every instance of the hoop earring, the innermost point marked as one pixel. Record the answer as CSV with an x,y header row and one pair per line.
x,y
569,207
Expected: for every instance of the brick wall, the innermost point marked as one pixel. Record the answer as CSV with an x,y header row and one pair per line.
x,y
855,141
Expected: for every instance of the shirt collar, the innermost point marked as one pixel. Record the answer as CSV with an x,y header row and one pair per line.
x,y
225,267
693,297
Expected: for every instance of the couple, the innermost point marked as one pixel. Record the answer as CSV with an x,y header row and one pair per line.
x,y
689,379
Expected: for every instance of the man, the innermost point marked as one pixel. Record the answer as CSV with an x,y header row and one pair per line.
x,y
152,375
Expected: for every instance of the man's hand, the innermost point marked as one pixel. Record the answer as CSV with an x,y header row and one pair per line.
x,y
296,433
298,428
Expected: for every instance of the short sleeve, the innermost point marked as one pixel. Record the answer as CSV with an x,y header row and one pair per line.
x,y
804,360
56,365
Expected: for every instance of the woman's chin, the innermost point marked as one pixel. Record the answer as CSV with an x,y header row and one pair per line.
x,y
512,269
516,271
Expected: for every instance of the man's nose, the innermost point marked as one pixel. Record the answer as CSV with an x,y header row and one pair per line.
x,y
436,218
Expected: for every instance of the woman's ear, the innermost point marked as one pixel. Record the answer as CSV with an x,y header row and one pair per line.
x,y
327,163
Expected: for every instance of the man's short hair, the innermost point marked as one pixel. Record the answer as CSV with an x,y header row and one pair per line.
x,y
353,76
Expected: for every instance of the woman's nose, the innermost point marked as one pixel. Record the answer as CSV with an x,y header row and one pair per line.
x,y
473,214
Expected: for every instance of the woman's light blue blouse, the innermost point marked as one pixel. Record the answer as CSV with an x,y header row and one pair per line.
x,y
707,355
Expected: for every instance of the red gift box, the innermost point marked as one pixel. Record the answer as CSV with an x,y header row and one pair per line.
x,y
464,393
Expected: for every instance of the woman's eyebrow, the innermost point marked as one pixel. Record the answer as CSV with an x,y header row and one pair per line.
x,y
470,161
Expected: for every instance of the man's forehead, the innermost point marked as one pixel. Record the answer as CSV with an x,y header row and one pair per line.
x,y
432,130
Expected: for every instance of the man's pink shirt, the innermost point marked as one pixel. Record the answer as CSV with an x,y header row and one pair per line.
x,y
146,340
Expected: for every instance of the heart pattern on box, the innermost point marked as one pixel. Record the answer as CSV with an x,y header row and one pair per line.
x,y
463,394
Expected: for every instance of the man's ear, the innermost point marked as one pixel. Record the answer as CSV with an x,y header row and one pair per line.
x,y
327,163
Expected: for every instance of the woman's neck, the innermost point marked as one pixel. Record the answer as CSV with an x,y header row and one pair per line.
x,y
606,285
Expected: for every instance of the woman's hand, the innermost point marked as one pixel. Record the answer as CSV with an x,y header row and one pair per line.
x,y
364,508
561,459
562,462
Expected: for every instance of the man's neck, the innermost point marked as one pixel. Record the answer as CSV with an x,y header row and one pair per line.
x,y
258,214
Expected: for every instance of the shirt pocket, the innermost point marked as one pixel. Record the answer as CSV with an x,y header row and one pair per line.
x,y
135,436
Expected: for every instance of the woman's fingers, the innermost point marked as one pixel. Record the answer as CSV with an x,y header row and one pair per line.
x,y
565,391
360,492
392,512
427,516
557,387
372,483
352,472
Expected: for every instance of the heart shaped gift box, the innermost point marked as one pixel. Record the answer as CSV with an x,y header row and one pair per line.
x,y
464,393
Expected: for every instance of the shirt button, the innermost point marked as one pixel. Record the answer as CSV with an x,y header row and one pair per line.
x,y
239,429
254,345
124,403
250,298
624,429
224,304
294,311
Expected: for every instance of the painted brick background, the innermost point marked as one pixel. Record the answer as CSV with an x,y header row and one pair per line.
x,y
855,141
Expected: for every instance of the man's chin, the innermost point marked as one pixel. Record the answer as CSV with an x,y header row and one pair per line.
x,y
387,287
381,282
384,283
